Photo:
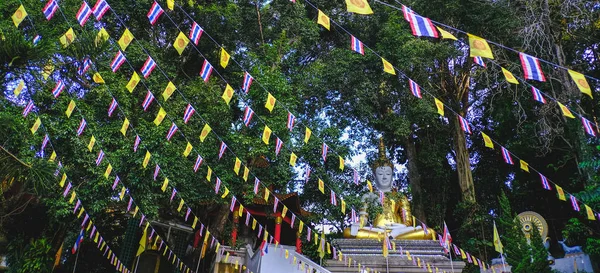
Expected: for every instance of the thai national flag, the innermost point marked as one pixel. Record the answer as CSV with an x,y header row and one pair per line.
x,y
421,26
424,227
456,250
464,124
264,248
37,39
148,100
233,202
67,189
247,82
85,65
478,60
256,185
45,142
82,125
136,143
307,172
545,183
532,68
324,149
248,115
78,241
217,185
447,238
60,86
415,88
206,70
189,112
357,45
195,33
100,9
100,157
148,67
278,144
117,61
506,156
353,217
171,131
587,125
355,176
222,149
574,203
407,11
199,160
291,120
112,107
173,193
50,9
84,13
537,95
156,171
332,198
28,108
154,13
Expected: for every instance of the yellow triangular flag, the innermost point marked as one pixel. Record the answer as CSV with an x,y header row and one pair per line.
x,y
359,6
266,197
108,171
165,184
181,203
36,125
70,108
237,166
125,39
342,163
135,79
565,111
208,173
170,4
408,256
188,150
19,16
497,243
227,94
101,37
307,134
321,186
323,20
63,179
169,91
487,140
293,159
590,213
225,193
479,47
343,207
73,195
440,106
561,193
98,78
142,243
195,222
160,116
224,58
92,143
509,76
246,172
181,42
146,159
205,131
462,254
122,194
19,88
124,127
445,34
524,165
270,102
266,135
47,70
388,67
52,156
581,82
67,38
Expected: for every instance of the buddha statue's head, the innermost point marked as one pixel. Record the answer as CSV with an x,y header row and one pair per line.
x,y
383,170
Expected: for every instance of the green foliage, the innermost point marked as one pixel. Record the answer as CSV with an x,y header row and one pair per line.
x,y
34,256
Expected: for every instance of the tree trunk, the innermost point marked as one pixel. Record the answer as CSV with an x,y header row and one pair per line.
x,y
222,214
414,179
463,164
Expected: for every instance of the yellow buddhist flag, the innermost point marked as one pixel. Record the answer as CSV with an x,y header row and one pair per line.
x,y
408,256
270,102
440,106
47,70
70,108
293,159
73,195
370,186
122,194
343,207
36,125
125,39
188,150
135,211
165,184
52,156
388,67
474,260
524,165
195,222
208,173
266,135
19,16
359,6
108,171
63,179
300,227
98,78
561,193
462,254
565,111
445,34
91,143
509,76
101,37
19,88
581,82
246,172
170,4
135,79
497,243
307,134
321,186
169,91
227,94
284,211
240,210
253,223
181,42
287,254
124,127
146,159
479,47
225,193
160,116
224,58
181,203
487,140
342,163
237,166
590,213
323,20
267,192
67,38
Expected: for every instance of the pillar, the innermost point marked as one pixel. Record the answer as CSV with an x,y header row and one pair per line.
x,y
298,243
278,221
234,231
